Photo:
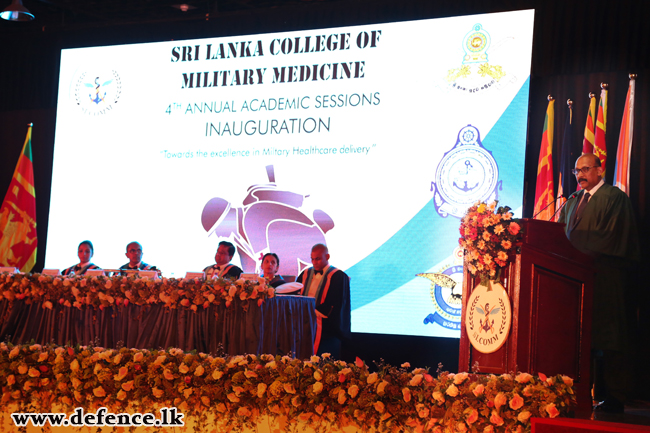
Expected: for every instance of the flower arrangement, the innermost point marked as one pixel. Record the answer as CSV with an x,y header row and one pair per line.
x,y
101,292
234,392
487,235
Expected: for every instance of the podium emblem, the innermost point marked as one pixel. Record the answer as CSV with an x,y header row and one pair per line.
x,y
488,317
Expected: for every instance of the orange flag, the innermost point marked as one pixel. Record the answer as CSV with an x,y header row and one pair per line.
x,y
588,142
544,195
622,170
600,147
18,214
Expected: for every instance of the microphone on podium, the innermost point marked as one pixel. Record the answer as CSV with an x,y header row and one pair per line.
x,y
565,202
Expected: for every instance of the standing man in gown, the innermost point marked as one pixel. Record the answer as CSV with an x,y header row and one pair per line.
x,y
331,288
600,222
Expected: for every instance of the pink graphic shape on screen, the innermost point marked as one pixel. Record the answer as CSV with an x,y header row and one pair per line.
x,y
270,220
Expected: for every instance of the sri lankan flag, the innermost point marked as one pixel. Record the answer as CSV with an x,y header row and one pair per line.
x,y
544,195
624,151
18,214
566,181
588,142
600,147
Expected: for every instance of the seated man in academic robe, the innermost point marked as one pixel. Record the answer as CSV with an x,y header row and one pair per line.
x,y
134,254
223,268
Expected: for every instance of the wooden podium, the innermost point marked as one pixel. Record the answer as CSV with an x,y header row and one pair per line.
x,y
549,284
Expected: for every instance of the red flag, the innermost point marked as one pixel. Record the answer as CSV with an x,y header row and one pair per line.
x,y
588,142
18,214
622,170
544,196
600,147
565,177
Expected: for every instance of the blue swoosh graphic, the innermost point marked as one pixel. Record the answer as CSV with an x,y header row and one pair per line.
x,y
428,238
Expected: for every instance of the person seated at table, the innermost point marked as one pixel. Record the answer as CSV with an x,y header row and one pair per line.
x,y
270,266
134,254
85,253
223,268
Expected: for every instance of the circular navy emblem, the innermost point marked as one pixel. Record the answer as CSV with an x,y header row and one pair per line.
x,y
466,174
97,91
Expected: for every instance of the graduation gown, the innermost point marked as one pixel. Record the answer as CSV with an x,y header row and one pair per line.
x,y
606,231
225,271
332,301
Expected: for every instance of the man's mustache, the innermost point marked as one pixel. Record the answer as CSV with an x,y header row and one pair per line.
x,y
581,179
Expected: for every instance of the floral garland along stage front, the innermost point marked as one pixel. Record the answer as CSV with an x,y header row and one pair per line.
x,y
487,236
234,392
101,292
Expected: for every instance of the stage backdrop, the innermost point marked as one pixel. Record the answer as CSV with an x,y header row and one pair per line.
x,y
372,139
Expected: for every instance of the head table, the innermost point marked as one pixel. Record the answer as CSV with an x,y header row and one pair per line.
x,y
212,317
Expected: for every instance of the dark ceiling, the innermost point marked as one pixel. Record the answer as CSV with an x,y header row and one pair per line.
x,y
80,14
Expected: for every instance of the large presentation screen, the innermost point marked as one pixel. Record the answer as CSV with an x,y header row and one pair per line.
x,y
372,139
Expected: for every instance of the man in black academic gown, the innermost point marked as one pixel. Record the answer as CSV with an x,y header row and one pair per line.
x,y
223,268
134,254
331,288
600,222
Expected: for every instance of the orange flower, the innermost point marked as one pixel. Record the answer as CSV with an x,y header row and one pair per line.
x,y
243,411
372,378
516,402
34,372
43,357
233,398
14,352
183,368
567,380
261,389
452,390
496,419
478,390
74,365
99,392
11,379
158,392
500,400
139,356
353,391
552,411
379,406
380,388
317,387
460,378
422,410
187,392
167,374
473,416
523,416
406,394
342,397
319,409
289,389
523,377
128,386
415,380
121,395
205,400
123,372
437,395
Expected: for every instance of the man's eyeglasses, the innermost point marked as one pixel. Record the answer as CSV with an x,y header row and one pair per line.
x,y
583,170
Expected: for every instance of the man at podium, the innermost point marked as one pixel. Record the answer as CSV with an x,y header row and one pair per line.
x,y
599,221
